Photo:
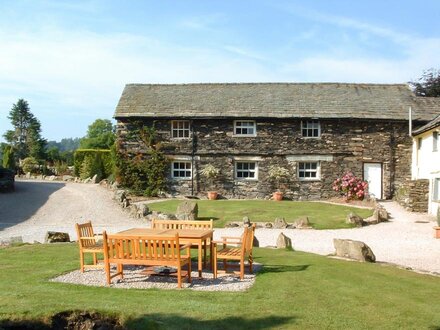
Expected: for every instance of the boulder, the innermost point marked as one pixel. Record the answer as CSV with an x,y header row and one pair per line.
x,y
119,195
356,250
187,210
94,178
139,210
28,175
87,180
302,223
68,178
382,214
283,242
280,223
56,237
232,225
353,218
246,222
268,225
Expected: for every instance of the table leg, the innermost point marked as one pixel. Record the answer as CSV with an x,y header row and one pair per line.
x,y
199,261
211,253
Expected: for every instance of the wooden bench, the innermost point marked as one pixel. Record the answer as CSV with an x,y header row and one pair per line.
x,y
186,224
148,250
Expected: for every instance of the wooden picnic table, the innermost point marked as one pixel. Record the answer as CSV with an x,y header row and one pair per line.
x,y
194,236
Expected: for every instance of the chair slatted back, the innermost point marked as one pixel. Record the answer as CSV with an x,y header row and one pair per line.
x,y
248,240
181,224
157,248
85,230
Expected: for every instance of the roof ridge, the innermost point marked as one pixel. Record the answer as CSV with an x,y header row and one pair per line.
x,y
266,83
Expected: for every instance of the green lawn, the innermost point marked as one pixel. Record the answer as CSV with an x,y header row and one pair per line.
x,y
321,215
294,291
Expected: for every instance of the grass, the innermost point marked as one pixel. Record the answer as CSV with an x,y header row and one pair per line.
x,y
321,215
294,291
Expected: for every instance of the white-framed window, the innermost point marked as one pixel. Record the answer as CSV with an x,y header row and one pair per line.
x,y
246,170
434,141
245,128
309,170
180,129
181,169
419,143
311,128
436,189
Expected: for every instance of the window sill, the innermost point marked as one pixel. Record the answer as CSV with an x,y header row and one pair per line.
x,y
244,135
309,180
245,180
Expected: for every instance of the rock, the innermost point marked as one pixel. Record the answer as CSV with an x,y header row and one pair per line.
x,y
382,213
52,178
356,250
119,195
125,203
165,216
302,223
139,210
68,178
56,237
94,178
114,186
187,210
246,222
280,223
28,175
87,180
232,225
268,225
353,218
283,242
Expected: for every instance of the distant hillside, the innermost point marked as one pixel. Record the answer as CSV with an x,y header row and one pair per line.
x,y
68,144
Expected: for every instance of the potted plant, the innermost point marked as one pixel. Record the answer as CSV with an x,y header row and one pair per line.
x,y
278,174
437,228
210,172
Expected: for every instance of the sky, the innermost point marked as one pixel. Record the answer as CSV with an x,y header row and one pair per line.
x,y
71,59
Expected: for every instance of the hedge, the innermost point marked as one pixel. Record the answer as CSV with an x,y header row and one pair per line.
x,y
88,162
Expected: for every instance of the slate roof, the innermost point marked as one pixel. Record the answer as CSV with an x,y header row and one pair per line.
x,y
275,100
432,124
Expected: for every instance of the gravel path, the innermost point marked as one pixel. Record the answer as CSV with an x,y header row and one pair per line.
x,y
37,207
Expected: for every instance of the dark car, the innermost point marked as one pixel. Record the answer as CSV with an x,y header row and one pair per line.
x,y
7,180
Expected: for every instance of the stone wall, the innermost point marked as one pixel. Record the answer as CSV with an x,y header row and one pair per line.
x,y
413,195
344,146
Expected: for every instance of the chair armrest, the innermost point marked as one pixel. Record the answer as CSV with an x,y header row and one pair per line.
x,y
182,247
88,237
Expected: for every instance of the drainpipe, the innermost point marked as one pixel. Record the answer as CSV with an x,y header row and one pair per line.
x,y
193,151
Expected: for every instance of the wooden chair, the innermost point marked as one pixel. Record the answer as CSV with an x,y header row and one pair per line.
x,y
146,251
186,224
241,252
88,243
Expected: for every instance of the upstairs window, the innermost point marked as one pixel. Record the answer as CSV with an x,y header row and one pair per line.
x,y
311,128
245,128
181,170
434,141
308,170
246,170
436,190
180,129
419,143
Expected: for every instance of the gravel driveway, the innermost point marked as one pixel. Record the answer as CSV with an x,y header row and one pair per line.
x,y
37,207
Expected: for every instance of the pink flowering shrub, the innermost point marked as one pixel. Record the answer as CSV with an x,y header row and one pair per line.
x,y
350,186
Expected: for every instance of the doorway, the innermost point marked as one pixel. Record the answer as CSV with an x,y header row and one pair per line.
x,y
373,175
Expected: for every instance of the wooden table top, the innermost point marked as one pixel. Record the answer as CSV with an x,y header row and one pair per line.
x,y
183,233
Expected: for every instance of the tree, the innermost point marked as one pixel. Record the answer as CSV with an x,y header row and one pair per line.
x,y
428,84
25,138
100,135
8,158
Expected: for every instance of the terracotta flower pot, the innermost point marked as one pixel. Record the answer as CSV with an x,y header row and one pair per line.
x,y
277,196
437,232
212,195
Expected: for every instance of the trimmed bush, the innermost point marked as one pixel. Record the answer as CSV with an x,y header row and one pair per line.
x,y
30,164
88,162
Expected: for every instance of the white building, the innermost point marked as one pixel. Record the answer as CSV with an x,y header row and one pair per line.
x,y
426,160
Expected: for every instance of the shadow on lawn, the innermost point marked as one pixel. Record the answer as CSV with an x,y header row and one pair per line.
x,y
283,268
170,321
